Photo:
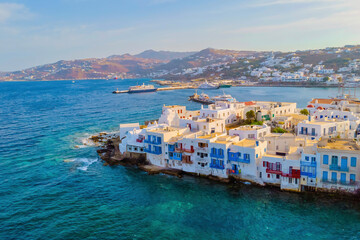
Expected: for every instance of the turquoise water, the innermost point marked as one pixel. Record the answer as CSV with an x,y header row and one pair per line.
x,y
44,197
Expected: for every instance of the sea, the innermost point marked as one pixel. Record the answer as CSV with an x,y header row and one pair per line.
x,y
51,189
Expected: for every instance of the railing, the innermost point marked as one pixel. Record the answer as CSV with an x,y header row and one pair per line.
x,y
212,165
188,150
335,167
308,164
308,174
238,159
291,175
268,170
152,142
152,152
215,155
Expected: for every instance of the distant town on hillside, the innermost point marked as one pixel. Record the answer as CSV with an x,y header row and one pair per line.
x,y
329,66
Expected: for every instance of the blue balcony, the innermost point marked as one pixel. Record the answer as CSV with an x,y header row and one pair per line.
x,y
217,166
155,141
338,168
216,155
236,157
308,164
176,156
308,174
153,152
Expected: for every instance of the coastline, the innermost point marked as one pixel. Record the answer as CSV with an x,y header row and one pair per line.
x,y
110,155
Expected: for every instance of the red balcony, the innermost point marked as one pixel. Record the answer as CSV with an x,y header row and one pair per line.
x,y
274,171
179,150
294,174
189,150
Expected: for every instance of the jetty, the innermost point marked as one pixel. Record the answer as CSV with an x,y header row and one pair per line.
x,y
160,89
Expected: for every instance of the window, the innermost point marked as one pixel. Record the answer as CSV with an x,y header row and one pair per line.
x,y
277,176
326,159
334,160
290,180
353,162
352,178
307,158
159,139
325,176
295,180
334,176
313,159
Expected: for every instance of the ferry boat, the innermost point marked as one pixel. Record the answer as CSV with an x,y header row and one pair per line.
x,y
142,88
225,85
224,97
117,91
207,85
202,98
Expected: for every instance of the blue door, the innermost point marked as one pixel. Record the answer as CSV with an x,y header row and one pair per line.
x,y
343,177
334,176
344,163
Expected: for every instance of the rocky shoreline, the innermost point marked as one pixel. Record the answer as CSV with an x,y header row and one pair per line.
x,y
109,153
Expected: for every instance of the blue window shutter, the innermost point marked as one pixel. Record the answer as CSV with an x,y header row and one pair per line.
x,y
353,161
326,159
325,175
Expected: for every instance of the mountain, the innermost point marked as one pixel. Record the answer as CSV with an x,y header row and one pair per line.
x,y
163,55
208,63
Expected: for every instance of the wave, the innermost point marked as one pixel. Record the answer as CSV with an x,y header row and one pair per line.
x,y
82,163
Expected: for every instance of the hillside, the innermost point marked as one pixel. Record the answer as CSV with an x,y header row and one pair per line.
x,y
208,63
163,55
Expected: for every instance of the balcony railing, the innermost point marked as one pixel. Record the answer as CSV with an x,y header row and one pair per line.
x,y
215,155
188,150
217,166
274,171
152,142
308,174
291,175
308,164
152,152
335,167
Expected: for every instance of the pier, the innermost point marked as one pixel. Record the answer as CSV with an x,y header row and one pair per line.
x,y
161,89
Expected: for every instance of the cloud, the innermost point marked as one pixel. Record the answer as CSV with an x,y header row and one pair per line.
x,y
340,20
13,11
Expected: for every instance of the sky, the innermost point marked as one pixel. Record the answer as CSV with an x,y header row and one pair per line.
x,y
35,32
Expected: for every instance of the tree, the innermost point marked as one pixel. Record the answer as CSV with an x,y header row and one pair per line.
x,y
304,112
250,115
279,130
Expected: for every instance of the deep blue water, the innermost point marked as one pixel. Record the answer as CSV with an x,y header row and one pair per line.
x,y
44,197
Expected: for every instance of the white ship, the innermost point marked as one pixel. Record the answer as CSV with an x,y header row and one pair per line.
x,y
142,88
207,85
224,97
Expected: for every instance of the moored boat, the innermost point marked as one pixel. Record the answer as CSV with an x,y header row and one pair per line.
x,y
224,97
202,98
117,91
225,85
142,88
207,85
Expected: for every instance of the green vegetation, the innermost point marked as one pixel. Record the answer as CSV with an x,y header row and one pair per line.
x,y
304,112
326,79
257,123
279,130
250,115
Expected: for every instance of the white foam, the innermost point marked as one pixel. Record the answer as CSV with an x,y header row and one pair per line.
x,y
84,163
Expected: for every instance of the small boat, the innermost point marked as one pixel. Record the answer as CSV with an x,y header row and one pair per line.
x,y
207,85
142,88
223,97
117,91
73,81
202,98
225,85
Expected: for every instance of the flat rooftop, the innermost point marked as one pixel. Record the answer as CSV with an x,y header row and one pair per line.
x,y
246,143
210,136
339,144
249,127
